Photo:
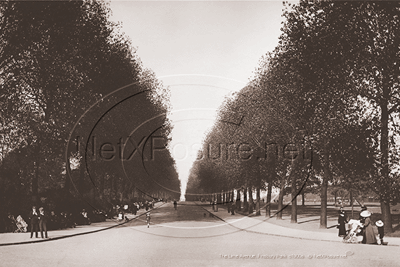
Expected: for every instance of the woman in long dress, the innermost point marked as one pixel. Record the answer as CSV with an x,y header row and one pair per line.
x,y
368,233
342,220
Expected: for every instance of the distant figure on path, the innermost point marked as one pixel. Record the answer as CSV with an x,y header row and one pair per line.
x,y
342,220
175,205
43,222
34,217
134,208
148,219
85,218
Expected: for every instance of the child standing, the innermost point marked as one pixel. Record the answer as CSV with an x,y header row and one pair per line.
x,y
381,232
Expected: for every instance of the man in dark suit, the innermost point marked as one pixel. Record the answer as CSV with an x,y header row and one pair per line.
x,y
34,217
42,222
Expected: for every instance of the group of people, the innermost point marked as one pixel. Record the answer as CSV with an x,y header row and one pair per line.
x,y
38,220
134,208
41,220
120,210
365,224
141,205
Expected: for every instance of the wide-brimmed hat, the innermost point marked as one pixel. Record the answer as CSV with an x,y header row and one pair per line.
x,y
365,213
379,223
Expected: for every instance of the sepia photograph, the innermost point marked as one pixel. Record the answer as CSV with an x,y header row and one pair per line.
x,y
199,133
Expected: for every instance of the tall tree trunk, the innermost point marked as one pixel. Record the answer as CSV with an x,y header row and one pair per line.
x,y
324,189
268,202
245,204
303,199
293,215
238,204
67,184
273,176
251,201
280,199
293,180
384,147
258,211
218,201
35,183
351,197
352,204
387,216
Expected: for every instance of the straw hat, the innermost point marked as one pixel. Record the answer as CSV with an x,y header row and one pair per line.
x,y
365,213
379,223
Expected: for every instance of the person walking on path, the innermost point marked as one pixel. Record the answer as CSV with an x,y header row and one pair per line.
x,y
175,205
368,233
42,222
233,208
148,219
342,220
34,218
134,208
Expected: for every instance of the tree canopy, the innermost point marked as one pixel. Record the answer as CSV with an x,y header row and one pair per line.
x,y
62,68
334,77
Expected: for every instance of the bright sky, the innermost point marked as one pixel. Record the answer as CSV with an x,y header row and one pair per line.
x,y
203,51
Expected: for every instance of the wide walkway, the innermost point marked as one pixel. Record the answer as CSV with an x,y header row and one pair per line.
x,y
193,236
238,222
7,239
263,225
